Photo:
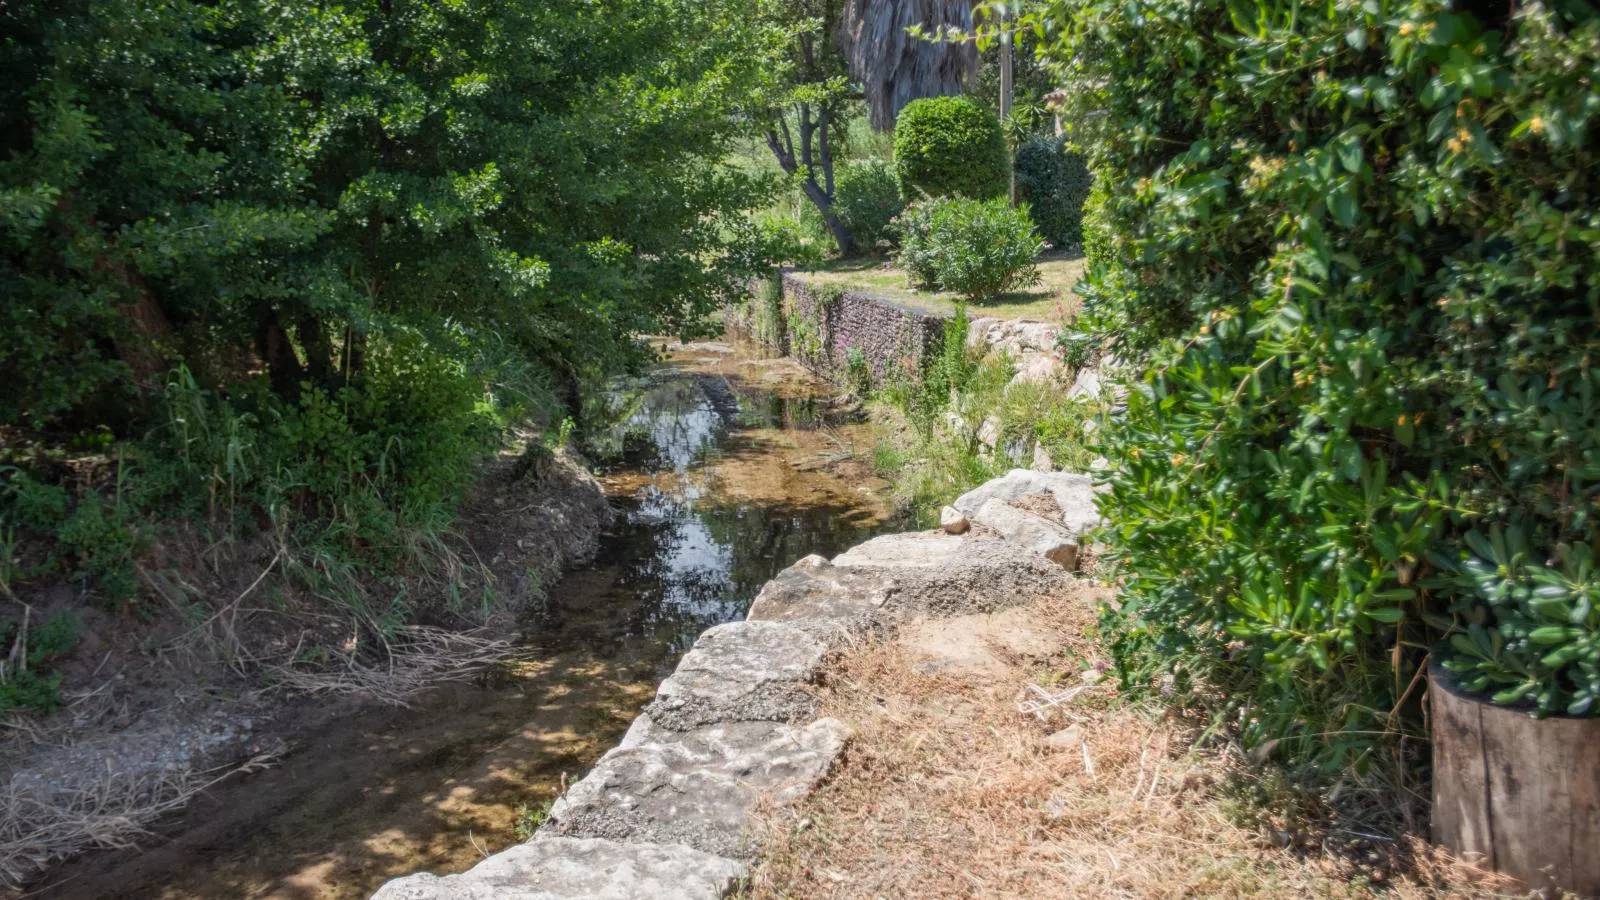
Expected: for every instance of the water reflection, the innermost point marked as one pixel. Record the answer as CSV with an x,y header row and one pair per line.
x,y
686,553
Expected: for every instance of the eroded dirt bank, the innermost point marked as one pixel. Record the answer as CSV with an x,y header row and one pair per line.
x,y
729,469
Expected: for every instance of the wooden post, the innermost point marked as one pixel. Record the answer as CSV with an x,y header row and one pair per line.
x,y
1521,795
1005,99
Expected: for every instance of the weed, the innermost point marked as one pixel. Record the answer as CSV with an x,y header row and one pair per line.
x,y
858,374
530,817
25,683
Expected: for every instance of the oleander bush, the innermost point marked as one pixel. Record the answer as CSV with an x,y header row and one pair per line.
x,y
1054,181
950,146
978,248
1354,247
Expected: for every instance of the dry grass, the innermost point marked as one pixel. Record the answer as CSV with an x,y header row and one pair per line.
x,y
418,657
38,829
950,789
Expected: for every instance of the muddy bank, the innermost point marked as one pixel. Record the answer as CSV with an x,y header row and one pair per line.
x,y
165,704
728,469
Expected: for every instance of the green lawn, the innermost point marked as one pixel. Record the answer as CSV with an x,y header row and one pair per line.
x,y
1052,301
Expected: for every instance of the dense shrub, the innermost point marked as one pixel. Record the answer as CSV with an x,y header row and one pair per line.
x,y
947,146
866,199
1357,255
978,248
1054,181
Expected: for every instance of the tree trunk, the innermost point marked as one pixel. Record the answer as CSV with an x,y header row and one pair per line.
x,y
841,234
283,367
1521,794
319,351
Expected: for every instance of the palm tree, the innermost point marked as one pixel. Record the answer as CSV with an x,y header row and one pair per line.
x,y
895,67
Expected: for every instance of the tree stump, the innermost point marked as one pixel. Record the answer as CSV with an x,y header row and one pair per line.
x,y
1521,795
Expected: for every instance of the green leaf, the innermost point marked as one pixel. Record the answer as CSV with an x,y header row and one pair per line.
x,y
1342,203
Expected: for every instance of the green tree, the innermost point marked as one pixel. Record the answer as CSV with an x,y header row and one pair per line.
x,y
350,222
807,95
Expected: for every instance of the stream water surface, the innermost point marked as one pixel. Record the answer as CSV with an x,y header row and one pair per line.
x,y
726,469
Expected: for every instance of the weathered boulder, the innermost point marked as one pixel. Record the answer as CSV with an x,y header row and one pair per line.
x,y
1074,494
557,868
1014,336
952,521
1036,368
990,432
948,574
1086,385
825,602
1041,459
1036,533
697,787
741,672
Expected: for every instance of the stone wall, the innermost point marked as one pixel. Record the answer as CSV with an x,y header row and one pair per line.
x,y
819,325
666,814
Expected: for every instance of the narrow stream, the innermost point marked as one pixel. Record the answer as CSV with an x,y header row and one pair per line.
x,y
725,469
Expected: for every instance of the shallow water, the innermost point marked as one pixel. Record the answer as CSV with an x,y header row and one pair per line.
x,y
726,469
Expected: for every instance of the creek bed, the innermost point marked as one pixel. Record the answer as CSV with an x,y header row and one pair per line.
x,y
726,468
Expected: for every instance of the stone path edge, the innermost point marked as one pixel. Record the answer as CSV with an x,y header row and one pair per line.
x,y
665,814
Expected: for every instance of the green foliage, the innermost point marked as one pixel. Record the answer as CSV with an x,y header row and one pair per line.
x,y
29,503
29,687
1098,252
363,237
1532,632
792,233
101,540
978,248
802,103
867,198
529,818
1054,182
858,373
937,456
767,316
950,146
1356,251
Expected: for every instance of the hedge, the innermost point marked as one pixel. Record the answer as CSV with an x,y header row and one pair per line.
x,y
1054,181
1355,254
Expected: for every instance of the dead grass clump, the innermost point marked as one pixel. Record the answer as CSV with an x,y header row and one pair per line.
x,y
40,828
416,658
1038,782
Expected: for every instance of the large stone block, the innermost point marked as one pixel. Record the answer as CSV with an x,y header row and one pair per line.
x,y
947,574
821,599
1074,494
557,868
741,671
698,787
1035,533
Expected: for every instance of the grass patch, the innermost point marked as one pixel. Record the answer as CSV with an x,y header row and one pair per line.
x,y
1051,301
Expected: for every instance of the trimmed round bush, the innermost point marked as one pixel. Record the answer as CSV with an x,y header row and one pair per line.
x,y
1054,182
866,199
979,248
949,146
